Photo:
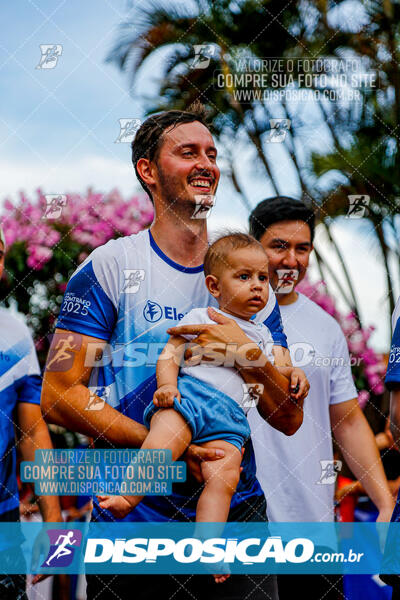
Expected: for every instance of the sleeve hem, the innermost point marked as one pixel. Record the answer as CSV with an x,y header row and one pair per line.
x,y
341,399
85,329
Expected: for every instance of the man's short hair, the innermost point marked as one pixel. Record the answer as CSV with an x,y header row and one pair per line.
x,y
149,137
276,209
218,253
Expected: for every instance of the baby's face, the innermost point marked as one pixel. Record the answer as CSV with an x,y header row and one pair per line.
x,y
243,283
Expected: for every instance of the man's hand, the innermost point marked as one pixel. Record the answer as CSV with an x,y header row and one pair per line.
x,y
118,506
195,455
41,547
164,396
225,331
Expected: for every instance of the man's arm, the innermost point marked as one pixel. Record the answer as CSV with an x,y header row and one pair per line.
x,y
275,404
33,434
358,445
65,395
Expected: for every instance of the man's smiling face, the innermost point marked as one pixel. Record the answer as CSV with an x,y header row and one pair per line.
x,y
186,165
288,246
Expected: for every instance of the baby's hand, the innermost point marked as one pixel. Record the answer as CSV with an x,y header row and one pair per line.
x,y
164,396
299,385
117,505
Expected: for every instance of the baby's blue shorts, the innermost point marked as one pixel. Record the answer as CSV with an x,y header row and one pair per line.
x,y
210,414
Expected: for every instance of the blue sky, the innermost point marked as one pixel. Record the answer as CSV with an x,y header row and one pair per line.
x,y
58,126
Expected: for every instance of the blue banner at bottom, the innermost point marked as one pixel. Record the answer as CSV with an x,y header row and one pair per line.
x,y
200,548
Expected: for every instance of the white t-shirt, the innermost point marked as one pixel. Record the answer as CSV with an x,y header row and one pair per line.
x,y
224,378
289,468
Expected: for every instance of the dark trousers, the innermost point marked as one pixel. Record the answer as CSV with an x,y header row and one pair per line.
x,y
312,587
189,587
181,587
12,587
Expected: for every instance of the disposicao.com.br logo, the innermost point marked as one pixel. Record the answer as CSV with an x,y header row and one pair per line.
x,y
191,550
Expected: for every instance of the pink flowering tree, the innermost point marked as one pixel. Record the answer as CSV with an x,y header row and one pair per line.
x,y
48,238
368,367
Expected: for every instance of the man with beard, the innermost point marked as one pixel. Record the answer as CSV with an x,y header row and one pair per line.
x,y
297,474
175,161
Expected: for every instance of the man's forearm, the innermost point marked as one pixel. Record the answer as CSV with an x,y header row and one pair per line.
x,y
275,404
39,437
69,408
358,445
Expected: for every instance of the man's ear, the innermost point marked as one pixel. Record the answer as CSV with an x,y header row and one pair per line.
x,y
145,168
212,284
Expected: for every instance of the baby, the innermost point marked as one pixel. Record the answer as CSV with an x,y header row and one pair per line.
x,y
206,403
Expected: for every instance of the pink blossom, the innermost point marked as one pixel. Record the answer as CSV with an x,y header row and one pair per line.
x,y
91,220
363,398
356,342
372,364
82,256
38,255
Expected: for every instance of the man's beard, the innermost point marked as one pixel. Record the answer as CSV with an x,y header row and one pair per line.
x,y
176,203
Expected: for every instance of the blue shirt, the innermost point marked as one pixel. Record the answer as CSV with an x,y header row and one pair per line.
x,y
393,370
128,292
20,381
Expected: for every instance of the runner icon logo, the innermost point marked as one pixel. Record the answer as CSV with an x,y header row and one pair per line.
x,y
202,56
50,55
329,471
63,543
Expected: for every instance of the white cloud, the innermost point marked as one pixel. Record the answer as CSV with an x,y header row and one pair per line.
x,y
98,172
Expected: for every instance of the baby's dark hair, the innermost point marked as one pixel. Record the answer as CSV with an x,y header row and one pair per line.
x,y
217,254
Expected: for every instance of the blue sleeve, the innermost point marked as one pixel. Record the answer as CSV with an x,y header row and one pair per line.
x,y
274,324
29,388
86,307
392,380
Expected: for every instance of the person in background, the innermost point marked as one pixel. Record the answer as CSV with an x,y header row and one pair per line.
x,y
21,419
390,456
392,382
298,473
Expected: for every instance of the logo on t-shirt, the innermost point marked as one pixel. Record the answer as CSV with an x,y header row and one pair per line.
x,y
152,311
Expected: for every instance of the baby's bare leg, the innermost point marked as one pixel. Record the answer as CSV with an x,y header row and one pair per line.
x,y
168,430
221,478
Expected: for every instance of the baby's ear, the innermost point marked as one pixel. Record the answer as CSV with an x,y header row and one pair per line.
x,y
212,284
